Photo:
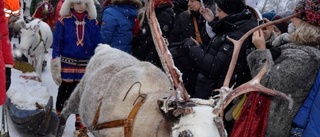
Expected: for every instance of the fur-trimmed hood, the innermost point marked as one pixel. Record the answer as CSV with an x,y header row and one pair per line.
x,y
67,4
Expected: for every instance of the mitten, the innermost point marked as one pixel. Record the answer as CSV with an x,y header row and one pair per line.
x,y
8,78
56,70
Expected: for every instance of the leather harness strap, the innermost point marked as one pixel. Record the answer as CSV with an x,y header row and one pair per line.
x,y
198,37
41,40
126,123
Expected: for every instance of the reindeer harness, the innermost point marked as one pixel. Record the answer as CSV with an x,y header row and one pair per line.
x,y
30,50
126,123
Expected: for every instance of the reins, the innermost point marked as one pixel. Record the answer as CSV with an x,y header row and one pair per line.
x,y
30,50
126,123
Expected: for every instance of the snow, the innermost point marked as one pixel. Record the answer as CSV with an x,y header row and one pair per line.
x,y
27,92
33,91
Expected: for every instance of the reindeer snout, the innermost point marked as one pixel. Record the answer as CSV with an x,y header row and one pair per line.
x,y
185,133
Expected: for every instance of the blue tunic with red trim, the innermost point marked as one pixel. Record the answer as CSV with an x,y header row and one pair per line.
x,y
75,39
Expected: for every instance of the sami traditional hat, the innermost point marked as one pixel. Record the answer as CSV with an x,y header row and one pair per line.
x,y
65,8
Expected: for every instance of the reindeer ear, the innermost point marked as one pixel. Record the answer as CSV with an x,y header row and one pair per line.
x,y
167,108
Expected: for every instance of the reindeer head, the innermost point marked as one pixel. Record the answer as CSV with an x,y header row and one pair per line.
x,y
193,118
29,34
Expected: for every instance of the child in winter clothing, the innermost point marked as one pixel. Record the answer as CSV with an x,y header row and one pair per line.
x,y
75,38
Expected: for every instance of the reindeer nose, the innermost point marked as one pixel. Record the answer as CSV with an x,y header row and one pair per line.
x,y
185,133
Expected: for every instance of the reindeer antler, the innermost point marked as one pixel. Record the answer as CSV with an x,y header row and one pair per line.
x,y
227,94
237,45
161,45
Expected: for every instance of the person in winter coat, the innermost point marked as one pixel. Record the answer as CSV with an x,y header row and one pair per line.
x,y
57,10
76,36
294,71
180,6
11,8
6,59
45,12
118,21
232,19
188,24
306,122
143,46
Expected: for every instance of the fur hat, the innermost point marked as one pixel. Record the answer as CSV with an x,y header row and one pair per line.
x,y
310,11
231,6
92,11
283,26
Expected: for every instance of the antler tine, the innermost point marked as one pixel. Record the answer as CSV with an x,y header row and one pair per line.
x,y
161,45
254,85
237,45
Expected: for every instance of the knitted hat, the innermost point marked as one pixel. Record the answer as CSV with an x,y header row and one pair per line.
x,y
231,6
65,8
310,11
283,26
269,15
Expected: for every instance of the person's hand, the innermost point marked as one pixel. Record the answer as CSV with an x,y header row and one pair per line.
x,y
267,30
258,39
188,43
207,14
56,70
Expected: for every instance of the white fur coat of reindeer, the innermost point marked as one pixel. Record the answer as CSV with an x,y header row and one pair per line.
x,y
36,39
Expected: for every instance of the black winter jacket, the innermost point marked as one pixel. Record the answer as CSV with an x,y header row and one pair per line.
x,y
143,46
214,59
184,27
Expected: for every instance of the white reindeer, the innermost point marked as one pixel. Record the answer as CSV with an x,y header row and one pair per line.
x,y
114,83
36,39
117,94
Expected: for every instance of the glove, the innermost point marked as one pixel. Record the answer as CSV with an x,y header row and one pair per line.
x,y
8,78
56,70
188,43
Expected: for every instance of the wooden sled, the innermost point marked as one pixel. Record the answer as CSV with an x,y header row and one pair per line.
x,y
38,122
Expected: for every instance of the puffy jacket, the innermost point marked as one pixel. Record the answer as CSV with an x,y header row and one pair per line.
x,y
117,26
308,116
6,59
214,59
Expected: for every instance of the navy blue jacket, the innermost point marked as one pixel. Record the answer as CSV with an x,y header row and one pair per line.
x,y
308,116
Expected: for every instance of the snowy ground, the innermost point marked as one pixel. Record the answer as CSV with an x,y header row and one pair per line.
x,y
52,88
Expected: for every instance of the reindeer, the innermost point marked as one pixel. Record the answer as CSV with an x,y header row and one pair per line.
x,y
36,39
119,91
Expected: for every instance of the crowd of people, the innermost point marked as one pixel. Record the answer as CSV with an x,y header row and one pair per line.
x,y
197,32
